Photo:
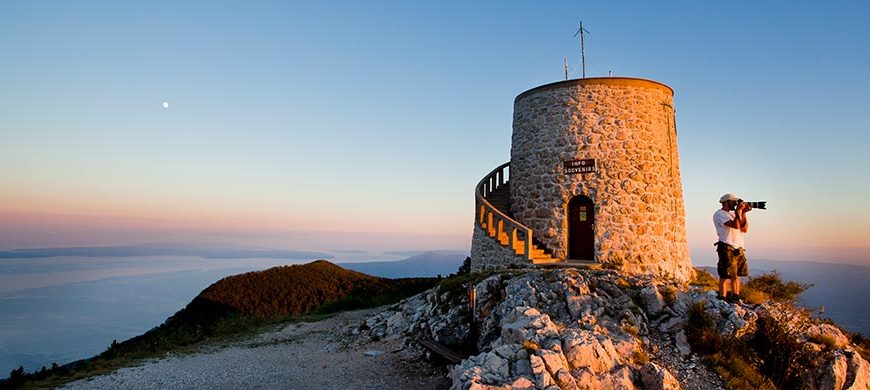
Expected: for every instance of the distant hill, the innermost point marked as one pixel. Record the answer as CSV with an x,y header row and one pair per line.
x,y
298,289
426,264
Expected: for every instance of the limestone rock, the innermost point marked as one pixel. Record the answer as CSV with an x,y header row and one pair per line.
x,y
655,377
845,371
828,332
582,329
858,376
620,379
543,379
652,300
682,343
585,350
526,323
396,324
522,383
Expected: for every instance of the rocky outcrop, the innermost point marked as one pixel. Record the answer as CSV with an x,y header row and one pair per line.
x,y
442,316
594,329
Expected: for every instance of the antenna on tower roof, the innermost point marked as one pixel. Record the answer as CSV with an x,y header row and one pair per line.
x,y
566,68
581,31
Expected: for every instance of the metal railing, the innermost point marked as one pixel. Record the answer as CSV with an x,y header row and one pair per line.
x,y
496,222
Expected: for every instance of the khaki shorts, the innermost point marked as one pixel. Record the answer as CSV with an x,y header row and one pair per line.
x,y
732,261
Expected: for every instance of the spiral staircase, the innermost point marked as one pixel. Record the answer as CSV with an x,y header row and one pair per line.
x,y
492,207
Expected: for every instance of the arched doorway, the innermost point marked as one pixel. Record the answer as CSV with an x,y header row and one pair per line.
x,y
581,228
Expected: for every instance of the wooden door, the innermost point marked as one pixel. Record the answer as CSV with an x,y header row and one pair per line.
x,y
581,225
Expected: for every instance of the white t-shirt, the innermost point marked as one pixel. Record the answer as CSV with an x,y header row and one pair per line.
x,y
727,234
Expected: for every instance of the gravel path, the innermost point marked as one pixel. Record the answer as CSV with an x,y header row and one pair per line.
x,y
317,355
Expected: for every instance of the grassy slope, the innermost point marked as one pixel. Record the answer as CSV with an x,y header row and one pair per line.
x,y
238,304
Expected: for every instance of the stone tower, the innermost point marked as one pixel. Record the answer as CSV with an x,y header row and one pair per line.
x,y
594,177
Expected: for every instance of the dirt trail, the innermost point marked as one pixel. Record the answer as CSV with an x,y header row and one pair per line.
x,y
316,355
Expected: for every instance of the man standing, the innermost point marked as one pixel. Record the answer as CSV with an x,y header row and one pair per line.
x,y
731,223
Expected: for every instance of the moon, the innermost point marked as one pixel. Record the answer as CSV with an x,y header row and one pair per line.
x,y
165,104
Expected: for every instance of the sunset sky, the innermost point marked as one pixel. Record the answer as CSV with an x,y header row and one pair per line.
x,y
329,125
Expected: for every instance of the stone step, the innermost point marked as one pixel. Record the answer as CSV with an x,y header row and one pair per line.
x,y
501,199
585,264
545,261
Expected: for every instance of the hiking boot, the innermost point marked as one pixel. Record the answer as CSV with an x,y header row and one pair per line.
x,y
734,299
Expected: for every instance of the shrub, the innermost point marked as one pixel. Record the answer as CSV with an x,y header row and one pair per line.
x,y
753,296
785,359
669,293
458,285
465,268
861,343
737,372
704,280
774,287
701,330
639,356
823,339
729,357
622,283
531,347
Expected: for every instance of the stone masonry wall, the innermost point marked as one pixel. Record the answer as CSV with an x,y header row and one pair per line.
x,y
487,253
627,126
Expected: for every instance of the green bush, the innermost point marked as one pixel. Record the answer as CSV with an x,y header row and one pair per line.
x,y
701,330
771,359
704,280
669,293
772,285
785,360
727,357
862,343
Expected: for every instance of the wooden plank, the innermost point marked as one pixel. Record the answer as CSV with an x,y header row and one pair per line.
x,y
440,350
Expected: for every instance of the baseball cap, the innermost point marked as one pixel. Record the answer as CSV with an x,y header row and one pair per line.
x,y
727,197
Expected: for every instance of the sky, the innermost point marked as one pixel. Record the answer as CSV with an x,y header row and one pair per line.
x,y
366,124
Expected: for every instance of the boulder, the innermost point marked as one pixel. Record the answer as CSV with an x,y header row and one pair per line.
x,y
522,383
655,377
543,379
827,332
524,324
585,350
620,379
682,343
833,375
652,300
396,325
488,294
858,375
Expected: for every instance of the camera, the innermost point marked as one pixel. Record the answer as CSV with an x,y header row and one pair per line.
x,y
755,205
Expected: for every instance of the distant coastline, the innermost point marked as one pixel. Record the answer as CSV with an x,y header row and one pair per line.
x,y
158,249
